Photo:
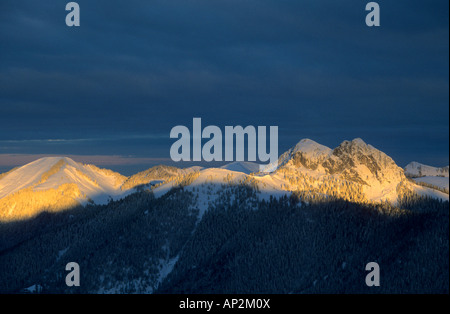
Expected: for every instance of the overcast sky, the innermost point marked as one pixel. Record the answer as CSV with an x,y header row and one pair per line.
x,y
116,85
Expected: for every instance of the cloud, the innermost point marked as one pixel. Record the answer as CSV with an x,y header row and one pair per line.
x,y
82,140
11,160
142,67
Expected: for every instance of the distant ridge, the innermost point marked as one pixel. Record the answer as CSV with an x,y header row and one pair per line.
x,y
415,169
354,171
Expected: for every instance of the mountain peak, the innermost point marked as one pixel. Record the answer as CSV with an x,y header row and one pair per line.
x,y
50,161
55,181
363,163
306,153
354,161
306,141
309,146
357,146
358,141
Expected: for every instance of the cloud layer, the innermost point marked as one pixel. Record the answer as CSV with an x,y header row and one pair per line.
x,y
141,67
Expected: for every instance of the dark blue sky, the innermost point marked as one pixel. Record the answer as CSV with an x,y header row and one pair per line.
x,y
117,84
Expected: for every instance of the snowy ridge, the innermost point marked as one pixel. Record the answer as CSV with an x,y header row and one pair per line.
x,y
242,166
311,150
439,182
415,169
306,149
51,172
354,170
54,184
157,173
430,180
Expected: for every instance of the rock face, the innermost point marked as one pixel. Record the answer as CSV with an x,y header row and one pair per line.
x,y
353,161
363,163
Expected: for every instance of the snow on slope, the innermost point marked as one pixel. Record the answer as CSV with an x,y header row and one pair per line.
x,y
311,149
362,163
354,170
425,191
242,166
307,151
207,186
435,179
415,169
25,176
211,183
440,182
353,162
157,173
51,172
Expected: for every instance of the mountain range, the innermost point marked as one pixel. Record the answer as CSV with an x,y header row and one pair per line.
x,y
354,171
309,226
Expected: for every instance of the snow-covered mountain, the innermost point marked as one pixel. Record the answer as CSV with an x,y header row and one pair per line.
x,y
354,162
354,170
351,160
194,217
307,154
53,183
51,172
415,169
